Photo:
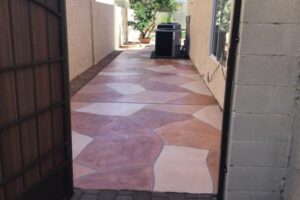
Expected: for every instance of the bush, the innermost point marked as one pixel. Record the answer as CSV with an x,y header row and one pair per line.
x,y
145,14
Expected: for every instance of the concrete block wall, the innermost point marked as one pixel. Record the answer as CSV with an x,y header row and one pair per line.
x,y
263,108
292,187
91,35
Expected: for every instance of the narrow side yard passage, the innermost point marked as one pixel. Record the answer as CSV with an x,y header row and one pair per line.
x,y
144,124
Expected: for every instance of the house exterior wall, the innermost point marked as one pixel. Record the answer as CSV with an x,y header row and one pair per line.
x,y
91,33
264,112
201,24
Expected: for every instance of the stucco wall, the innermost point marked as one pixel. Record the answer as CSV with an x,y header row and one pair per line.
x,y
103,28
79,36
201,23
91,34
263,108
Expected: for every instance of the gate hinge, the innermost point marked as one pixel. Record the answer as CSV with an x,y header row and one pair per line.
x,y
225,170
237,39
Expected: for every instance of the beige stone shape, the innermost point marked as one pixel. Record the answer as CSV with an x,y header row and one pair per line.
x,y
211,115
163,69
126,88
118,74
79,142
198,87
180,109
182,169
80,171
191,76
112,109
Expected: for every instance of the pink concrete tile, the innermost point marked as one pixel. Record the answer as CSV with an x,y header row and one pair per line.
x,y
194,76
90,124
77,105
92,89
163,87
92,97
194,99
112,109
155,119
153,97
126,88
118,74
171,79
117,152
102,80
139,178
163,69
79,142
191,133
180,109
126,126
211,115
80,171
198,87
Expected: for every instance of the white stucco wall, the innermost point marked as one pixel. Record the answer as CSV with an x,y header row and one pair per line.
x,y
91,35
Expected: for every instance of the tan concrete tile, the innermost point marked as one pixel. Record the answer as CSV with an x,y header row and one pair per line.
x,y
80,171
181,109
79,142
153,97
182,169
163,69
112,109
191,76
126,88
118,74
198,87
211,115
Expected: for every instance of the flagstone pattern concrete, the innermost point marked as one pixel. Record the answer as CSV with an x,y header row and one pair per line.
x,y
146,125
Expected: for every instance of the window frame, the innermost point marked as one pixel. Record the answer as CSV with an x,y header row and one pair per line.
x,y
212,32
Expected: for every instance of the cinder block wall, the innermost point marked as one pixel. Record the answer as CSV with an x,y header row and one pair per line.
x,y
292,187
263,109
91,35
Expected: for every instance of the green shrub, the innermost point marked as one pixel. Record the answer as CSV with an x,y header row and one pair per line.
x,y
145,14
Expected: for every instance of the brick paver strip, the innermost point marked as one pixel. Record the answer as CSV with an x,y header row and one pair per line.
x,y
82,79
80,194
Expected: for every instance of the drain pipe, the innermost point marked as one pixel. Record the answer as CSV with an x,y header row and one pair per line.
x,y
228,97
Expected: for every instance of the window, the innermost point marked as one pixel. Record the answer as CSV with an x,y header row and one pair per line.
x,y
221,30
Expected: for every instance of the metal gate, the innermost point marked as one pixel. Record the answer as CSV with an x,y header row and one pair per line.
x,y
35,136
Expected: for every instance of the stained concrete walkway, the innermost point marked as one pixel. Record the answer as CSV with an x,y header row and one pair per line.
x,y
149,125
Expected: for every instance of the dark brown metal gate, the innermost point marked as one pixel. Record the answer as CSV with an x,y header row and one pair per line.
x,y
35,138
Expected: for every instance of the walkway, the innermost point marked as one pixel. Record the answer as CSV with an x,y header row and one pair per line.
x,y
149,125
